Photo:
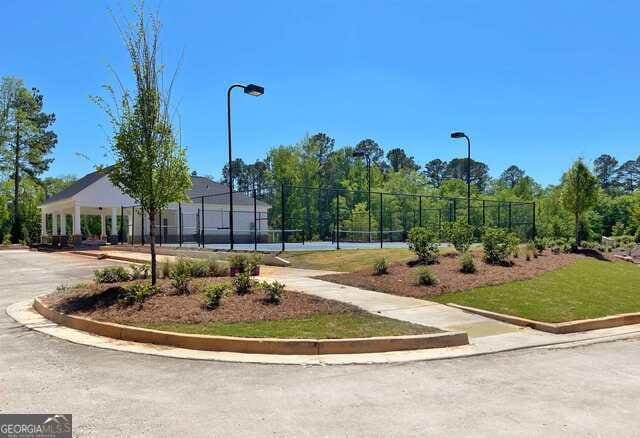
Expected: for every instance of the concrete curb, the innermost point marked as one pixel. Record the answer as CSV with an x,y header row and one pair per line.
x,y
254,345
581,325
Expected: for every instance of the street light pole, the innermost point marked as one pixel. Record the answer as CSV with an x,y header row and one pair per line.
x,y
254,90
463,135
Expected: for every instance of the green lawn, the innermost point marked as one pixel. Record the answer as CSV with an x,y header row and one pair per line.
x,y
332,326
587,289
347,260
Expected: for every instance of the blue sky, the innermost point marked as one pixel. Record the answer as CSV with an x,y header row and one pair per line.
x,y
534,83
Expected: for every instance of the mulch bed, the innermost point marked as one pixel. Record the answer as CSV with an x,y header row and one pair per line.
x,y
401,279
100,302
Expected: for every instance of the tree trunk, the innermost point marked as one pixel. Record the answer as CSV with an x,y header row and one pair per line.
x,y
17,225
152,238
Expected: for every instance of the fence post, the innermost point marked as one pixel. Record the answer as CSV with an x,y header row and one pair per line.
x,y
202,223
455,208
180,224
142,225
133,222
509,215
483,214
160,225
440,223
337,219
255,220
420,210
380,227
282,219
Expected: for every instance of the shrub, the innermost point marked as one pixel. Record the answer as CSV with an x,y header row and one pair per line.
x,y
137,293
139,272
6,240
214,293
111,274
636,237
181,267
216,268
181,284
423,242
531,250
273,290
498,244
540,245
381,266
165,268
617,229
459,234
239,261
467,264
243,283
253,262
426,277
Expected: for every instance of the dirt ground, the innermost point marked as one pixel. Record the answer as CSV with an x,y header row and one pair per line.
x,y
101,302
401,279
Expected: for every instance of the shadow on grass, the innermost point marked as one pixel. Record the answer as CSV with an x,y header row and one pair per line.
x,y
587,252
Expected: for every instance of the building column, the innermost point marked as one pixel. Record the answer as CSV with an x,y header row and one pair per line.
x,y
54,223
103,230
43,223
77,228
114,225
63,223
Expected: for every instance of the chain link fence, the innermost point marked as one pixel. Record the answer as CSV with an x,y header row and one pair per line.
x,y
295,218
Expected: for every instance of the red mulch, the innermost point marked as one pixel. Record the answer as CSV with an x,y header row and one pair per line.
x,y
100,302
401,279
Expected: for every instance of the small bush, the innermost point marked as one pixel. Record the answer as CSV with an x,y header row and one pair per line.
x,y
214,293
253,262
181,267
531,250
137,293
381,266
273,290
423,242
540,245
459,234
111,274
181,284
239,261
165,268
498,245
243,283
216,268
6,240
139,272
426,277
467,264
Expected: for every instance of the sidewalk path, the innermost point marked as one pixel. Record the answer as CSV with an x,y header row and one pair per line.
x,y
485,335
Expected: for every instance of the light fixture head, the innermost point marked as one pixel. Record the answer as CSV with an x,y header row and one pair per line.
x,y
254,90
458,135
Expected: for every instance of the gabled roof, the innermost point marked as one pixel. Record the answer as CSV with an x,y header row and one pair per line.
x,y
76,187
201,186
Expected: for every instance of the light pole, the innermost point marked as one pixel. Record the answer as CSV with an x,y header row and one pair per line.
x,y
362,154
253,90
463,135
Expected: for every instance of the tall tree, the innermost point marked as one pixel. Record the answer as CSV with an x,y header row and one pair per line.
x,y
399,160
627,175
604,168
435,171
579,192
512,176
25,140
149,166
372,149
457,168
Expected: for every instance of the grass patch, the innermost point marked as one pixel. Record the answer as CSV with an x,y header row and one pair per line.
x,y
586,289
331,326
348,260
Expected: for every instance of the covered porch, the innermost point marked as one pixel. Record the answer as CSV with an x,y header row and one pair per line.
x,y
70,222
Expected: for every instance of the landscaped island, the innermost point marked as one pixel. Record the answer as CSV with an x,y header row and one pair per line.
x,y
199,297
